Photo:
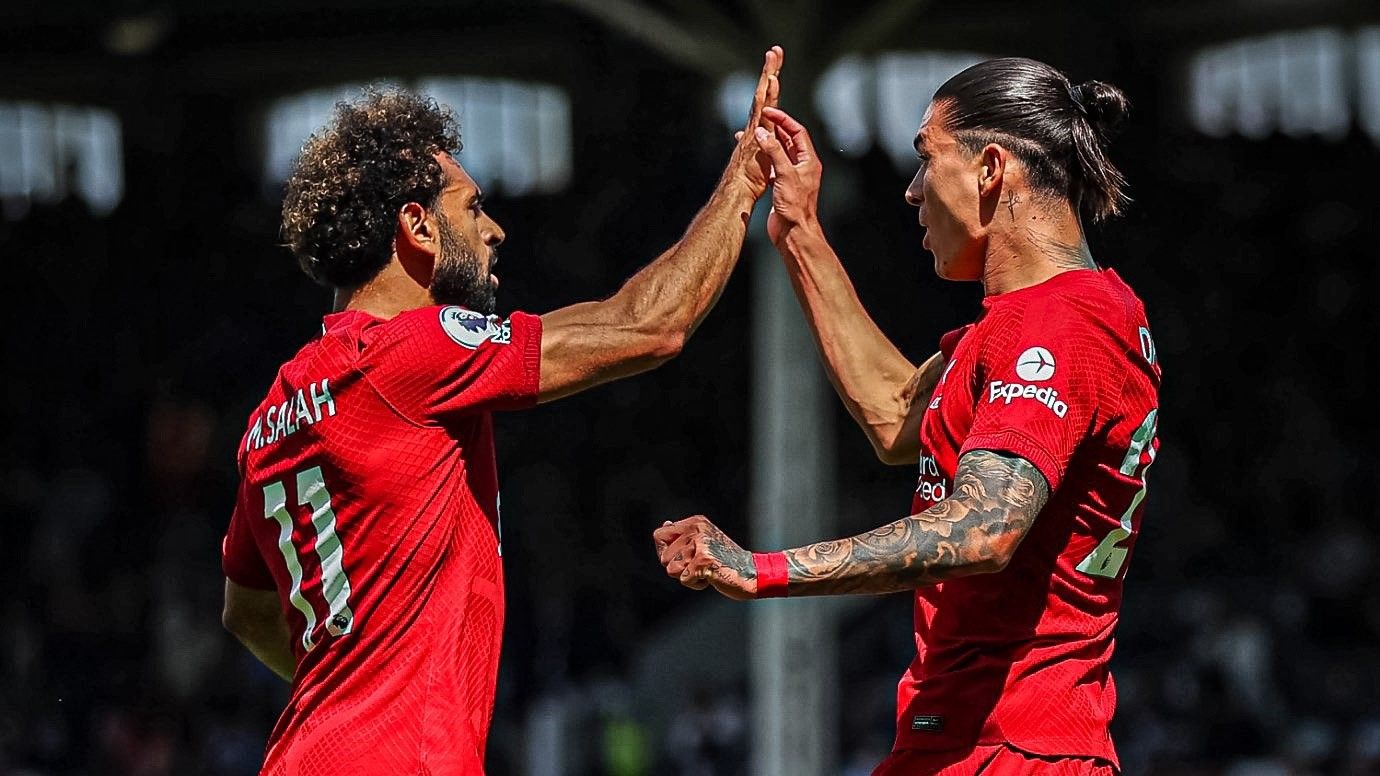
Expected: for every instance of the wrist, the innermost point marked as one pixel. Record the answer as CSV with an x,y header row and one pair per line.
x,y
773,577
739,191
801,237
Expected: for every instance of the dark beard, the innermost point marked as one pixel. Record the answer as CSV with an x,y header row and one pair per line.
x,y
460,276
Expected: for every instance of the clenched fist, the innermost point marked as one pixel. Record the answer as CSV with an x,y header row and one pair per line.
x,y
698,554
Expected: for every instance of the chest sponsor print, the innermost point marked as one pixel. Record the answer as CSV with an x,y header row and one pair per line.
x,y
932,485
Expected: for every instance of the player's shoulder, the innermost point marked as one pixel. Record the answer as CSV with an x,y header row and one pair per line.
x,y
1087,321
302,392
442,324
1094,302
1100,293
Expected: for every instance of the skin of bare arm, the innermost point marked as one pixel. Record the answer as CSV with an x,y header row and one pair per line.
x,y
255,617
975,531
883,391
649,319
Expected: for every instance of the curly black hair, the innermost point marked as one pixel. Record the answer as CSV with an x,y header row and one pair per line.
x,y
343,197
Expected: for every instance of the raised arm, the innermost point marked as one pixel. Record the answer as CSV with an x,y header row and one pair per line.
x,y
884,392
648,321
974,531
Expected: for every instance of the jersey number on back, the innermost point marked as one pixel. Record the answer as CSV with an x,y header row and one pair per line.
x,y
1108,558
335,586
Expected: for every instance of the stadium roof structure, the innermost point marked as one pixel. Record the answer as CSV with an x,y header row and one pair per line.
x,y
97,51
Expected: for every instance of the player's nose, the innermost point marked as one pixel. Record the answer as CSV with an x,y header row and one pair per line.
x,y
493,233
914,192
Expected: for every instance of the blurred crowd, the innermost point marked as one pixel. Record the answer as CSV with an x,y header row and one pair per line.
x,y
1250,640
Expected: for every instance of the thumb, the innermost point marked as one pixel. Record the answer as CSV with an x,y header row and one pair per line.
x,y
772,148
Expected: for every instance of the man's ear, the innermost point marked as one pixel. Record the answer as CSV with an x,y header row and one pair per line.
x,y
416,232
992,169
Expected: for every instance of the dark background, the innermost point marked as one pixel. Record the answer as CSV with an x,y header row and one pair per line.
x,y
136,342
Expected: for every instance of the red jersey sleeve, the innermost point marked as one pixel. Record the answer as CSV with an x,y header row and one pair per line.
x,y
239,555
436,363
1043,376
949,342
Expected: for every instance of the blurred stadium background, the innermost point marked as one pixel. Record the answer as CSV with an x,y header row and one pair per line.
x,y
142,149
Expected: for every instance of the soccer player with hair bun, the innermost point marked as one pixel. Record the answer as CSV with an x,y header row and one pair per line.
x,y
1032,429
363,556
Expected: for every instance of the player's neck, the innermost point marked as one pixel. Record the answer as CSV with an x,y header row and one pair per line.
x,y
1038,244
390,292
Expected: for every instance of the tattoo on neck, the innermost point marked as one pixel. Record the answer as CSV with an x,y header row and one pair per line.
x,y
1011,199
1063,255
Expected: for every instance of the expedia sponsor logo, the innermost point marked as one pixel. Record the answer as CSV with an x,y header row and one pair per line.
x,y
1035,364
1009,392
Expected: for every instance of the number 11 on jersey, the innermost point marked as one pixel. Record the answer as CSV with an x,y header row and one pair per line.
x,y
335,586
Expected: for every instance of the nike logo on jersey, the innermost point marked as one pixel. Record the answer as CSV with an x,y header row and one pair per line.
x,y
938,394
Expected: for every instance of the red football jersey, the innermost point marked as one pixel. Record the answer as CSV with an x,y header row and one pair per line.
x,y
369,501
1064,375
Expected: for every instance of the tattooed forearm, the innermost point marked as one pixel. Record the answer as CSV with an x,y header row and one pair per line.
x,y
728,554
974,531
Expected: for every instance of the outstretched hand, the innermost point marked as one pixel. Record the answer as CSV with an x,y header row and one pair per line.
x,y
698,554
749,163
796,173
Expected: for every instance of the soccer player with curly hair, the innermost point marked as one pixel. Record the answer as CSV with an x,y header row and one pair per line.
x,y
363,555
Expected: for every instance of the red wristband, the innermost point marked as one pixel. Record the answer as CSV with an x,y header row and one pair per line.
x,y
772,577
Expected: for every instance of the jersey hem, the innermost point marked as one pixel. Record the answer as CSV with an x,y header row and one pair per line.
x,y
1034,747
235,576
